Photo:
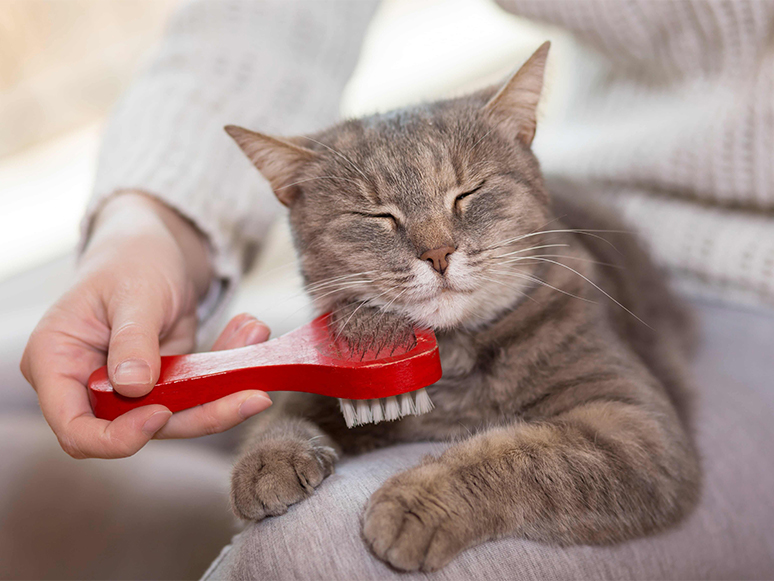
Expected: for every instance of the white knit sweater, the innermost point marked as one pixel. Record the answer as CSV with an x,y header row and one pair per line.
x,y
673,121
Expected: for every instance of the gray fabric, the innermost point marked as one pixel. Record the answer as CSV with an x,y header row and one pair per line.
x,y
729,536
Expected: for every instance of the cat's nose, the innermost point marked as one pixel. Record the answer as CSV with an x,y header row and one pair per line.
x,y
438,257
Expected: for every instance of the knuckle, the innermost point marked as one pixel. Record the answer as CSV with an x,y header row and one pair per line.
x,y
213,428
212,424
71,448
124,450
242,318
129,329
129,337
118,447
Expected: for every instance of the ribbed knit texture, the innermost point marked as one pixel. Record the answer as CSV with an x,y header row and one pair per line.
x,y
672,121
278,66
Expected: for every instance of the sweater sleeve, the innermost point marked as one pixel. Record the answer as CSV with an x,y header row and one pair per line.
x,y
271,65
670,118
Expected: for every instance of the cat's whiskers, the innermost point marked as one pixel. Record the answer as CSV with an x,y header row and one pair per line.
x,y
318,178
531,248
477,142
580,258
500,282
293,264
343,286
586,232
340,283
327,281
360,306
525,276
592,283
383,308
341,155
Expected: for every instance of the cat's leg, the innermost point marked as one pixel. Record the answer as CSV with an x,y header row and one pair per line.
x,y
281,463
600,473
294,445
292,448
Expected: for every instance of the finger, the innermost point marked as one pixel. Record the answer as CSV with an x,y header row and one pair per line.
x,y
90,437
241,331
250,333
233,325
133,360
216,416
65,403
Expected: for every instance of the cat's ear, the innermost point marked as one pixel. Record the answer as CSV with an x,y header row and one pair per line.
x,y
515,104
279,160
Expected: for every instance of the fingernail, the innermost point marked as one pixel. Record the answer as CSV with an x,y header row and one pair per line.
x,y
133,372
253,404
154,423
260,333
249,319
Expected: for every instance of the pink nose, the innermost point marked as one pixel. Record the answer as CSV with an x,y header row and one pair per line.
x,y
438,257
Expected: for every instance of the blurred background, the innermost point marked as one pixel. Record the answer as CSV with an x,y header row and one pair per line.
x,y
65,63
62,66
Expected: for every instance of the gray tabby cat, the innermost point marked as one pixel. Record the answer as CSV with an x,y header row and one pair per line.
x,y
563,385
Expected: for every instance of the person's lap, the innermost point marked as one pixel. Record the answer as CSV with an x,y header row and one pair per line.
x,y
729,535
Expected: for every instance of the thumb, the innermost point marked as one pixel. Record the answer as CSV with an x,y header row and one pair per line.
x,y
133,360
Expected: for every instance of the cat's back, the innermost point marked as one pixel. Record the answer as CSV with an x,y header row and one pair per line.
x,y
629,274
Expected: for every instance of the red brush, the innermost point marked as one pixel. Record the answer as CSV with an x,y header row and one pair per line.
x,y
379,386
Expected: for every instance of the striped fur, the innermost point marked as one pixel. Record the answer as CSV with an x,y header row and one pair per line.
x,y
563,351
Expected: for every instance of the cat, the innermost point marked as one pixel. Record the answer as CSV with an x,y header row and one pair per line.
x,y
564,387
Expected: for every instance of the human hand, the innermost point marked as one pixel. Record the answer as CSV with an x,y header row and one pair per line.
x,y
139,281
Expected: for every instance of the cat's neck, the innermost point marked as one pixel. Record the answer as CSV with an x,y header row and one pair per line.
x,y
555,287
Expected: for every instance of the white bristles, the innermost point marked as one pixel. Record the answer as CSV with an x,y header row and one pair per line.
x,y
407,407
391,409
357,412
348,411
422,402
377,412
363,412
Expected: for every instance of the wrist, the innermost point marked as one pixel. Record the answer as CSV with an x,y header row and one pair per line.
x,y
130,214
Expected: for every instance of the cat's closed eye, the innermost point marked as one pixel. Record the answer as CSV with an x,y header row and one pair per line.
x,y
458,200
393,221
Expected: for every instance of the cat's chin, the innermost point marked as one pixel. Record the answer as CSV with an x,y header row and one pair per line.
x,y
443,312
449,310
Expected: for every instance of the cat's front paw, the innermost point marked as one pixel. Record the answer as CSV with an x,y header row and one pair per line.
x,y
371,330
417,520
276,473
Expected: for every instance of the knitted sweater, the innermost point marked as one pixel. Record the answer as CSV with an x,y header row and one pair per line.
x,y
672,121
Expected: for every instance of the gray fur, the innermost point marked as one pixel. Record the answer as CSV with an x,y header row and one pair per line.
x,y
569,411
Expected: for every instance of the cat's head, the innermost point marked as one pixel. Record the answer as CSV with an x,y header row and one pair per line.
x,y
420,211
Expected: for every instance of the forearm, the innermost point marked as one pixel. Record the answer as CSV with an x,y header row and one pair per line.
x,y
131,214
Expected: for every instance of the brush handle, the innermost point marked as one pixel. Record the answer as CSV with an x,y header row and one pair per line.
x,y
307,359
